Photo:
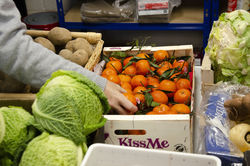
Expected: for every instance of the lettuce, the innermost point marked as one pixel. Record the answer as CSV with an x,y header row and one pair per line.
x,y
70,105
16,130
229,47
51,150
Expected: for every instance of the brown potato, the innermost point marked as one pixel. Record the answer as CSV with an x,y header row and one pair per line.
x,y
59,36
83,55
46,43
66,53
80,56
80,43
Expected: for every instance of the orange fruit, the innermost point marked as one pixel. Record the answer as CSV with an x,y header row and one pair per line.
x,y
152,68
152,79
117,65
142,55
161,109
109,71
130,97
126,61
126,85
156,85
159,97
182,65
183,83
182,96
151,113
142,67
130,70
139,89
124,78
168,85
114,78
160,55
139,80
114,59
162,69
176,76
167,64
140,97
180,108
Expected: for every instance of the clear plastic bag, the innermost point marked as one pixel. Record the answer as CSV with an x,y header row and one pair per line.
x,y
99,11
155,11
214,123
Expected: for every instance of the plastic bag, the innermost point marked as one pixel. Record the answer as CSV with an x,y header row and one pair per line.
x,y
155,11
101,11
215,124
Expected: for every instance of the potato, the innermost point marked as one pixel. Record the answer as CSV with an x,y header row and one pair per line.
x,y
59,36
66,53
80,43
246,102
83,55
80,56
46,43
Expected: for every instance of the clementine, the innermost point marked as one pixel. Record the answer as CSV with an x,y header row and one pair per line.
x,y
183,83
182,96
160,55
168,85
117,65
139,80
142,67
180,108
114,78
130,70
130,97
159,97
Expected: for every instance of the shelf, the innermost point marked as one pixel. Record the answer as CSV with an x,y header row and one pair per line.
x,y
182,14
184,17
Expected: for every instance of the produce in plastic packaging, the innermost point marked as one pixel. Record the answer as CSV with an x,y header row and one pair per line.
x,y
51,150
239,135
229,47
70,105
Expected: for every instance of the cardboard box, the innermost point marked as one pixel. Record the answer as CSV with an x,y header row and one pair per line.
x,y
207,74
167,132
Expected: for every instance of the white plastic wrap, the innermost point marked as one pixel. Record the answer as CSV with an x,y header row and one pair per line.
x,y
155,11
215,125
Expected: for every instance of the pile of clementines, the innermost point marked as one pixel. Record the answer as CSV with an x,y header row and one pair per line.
x,y
156,84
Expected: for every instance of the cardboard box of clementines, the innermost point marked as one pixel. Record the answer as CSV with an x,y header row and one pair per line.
x,y
173,132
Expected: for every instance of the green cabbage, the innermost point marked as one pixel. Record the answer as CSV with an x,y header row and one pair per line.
x,y
15,132
229,47
51,150
70,105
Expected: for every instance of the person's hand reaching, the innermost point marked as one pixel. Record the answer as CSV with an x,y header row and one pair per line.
x,y
117,100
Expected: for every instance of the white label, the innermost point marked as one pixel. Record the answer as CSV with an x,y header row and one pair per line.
x,y
152,12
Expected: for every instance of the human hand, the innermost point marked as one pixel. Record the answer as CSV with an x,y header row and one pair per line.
x,y
117,100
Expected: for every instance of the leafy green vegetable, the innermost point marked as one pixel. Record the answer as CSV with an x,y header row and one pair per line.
x,y
70,105
51,150
229,47
16,130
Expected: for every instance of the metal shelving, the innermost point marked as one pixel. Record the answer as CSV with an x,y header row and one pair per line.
x,y
209,14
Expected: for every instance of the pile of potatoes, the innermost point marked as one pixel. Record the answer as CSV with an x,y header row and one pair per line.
x,y
61,42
